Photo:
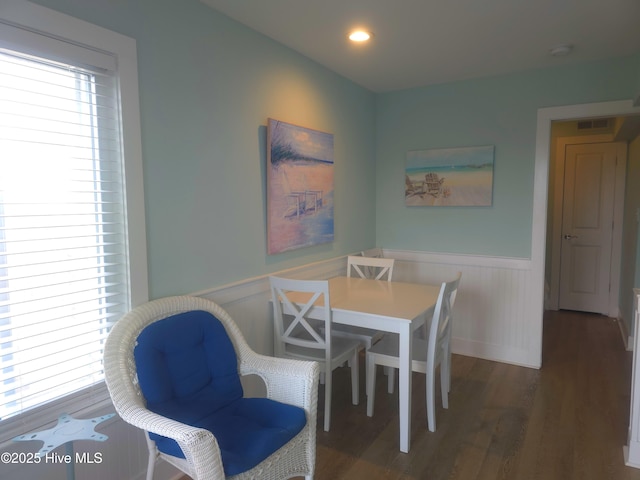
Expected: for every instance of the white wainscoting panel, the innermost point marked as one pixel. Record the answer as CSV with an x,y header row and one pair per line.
x,y
491,315
248,304
248,301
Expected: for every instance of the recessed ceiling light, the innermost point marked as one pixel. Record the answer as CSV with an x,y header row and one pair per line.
x,y
359,36
561,50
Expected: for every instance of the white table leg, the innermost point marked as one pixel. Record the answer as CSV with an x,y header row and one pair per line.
x,y
404,387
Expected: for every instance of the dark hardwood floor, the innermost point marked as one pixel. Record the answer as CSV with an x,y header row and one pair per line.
x,y
567,420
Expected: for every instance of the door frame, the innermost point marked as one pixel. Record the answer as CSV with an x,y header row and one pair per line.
x,y
545,117
613,308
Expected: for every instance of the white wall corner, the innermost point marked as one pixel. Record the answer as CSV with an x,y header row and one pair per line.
x,y
624,333
632,455
632,450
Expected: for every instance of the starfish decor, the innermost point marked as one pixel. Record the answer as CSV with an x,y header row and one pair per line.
x,y
67,430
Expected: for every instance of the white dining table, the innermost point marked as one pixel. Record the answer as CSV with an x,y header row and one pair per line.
x,y
397,307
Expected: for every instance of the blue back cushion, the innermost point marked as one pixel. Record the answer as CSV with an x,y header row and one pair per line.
x,y
185,359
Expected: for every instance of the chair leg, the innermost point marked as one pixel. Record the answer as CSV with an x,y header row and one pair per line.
x,y
371,383
391,379
431,407
387,371
367,375
152,461
327,400
445,380
355,378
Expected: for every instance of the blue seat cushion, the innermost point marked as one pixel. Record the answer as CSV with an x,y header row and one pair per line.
x,y
188,371
247,431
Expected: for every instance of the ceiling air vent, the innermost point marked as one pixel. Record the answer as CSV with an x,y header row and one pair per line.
x,y
595,123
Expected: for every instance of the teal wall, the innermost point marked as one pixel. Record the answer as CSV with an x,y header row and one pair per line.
x,y
207,87
500,111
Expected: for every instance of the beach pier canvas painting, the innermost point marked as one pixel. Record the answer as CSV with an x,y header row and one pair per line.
x,y
450,177
299,187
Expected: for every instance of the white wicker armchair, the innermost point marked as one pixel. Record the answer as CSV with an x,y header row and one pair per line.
x,y
292,382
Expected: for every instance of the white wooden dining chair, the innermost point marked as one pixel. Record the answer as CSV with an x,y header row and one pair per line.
x,y
427,354
375,252
370,267
360,264
309,335
366,267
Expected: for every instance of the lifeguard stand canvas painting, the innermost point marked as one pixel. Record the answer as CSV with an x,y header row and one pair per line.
x,y
450,177
299,187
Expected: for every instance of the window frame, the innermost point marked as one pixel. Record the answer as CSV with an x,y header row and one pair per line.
x,y
78,33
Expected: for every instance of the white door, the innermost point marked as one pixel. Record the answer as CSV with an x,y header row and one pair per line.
x,y
587,227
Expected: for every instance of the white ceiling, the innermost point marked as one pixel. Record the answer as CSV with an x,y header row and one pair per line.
x,y
423,42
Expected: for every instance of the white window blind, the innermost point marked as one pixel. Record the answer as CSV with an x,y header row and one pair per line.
x,y
64,268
